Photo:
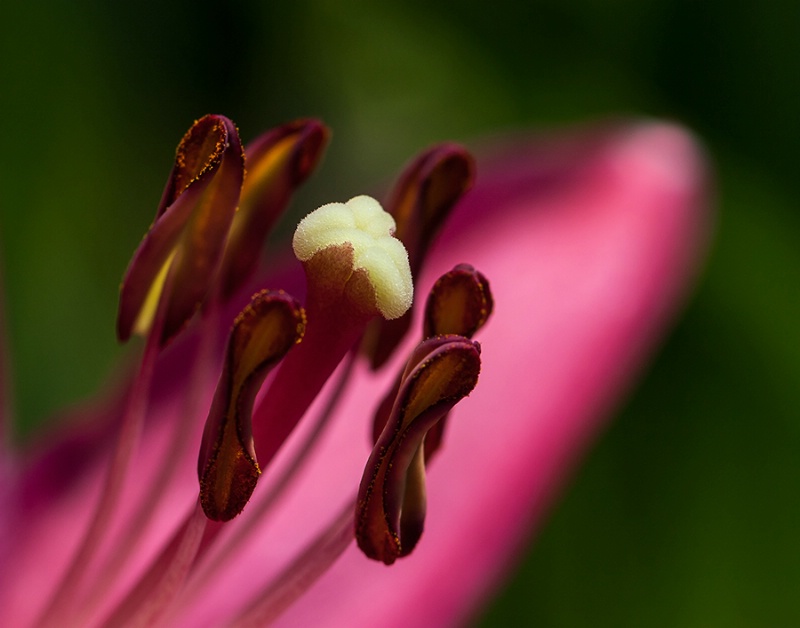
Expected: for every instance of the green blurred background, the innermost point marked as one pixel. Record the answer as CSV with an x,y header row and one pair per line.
x,y
686,513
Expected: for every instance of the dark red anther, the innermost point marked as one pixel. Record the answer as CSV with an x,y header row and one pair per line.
x,y
227,466
183,247
390,513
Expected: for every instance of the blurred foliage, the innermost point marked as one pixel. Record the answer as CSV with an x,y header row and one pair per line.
x,y
685,513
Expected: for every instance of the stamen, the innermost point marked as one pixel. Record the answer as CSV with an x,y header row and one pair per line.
x,y
165,283
265,330
460,302
189,231
425,194
210,563
262,335
391,500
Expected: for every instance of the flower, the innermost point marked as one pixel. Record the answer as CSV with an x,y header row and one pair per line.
x,y
587,240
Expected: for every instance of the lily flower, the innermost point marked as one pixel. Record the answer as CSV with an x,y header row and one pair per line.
x,y
291,457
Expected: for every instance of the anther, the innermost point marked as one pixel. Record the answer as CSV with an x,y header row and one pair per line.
x,y
460,302
391,508
261,336
184,245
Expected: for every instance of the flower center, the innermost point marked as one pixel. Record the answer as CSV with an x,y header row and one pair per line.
x,y
358,260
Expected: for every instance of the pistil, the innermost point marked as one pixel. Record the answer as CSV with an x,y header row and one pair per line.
x,y
355,271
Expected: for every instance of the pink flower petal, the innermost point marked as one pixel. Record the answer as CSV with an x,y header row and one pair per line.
x,y
588,244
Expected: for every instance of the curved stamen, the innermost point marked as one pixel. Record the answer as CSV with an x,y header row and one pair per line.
x,y
218,554
391,499
262,334
264,331
189,233
460,303
163,286
278,162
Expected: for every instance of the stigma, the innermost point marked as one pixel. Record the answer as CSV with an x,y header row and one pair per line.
x,y
362,229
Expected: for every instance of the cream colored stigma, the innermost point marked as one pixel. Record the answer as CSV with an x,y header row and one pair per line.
x,y
364,224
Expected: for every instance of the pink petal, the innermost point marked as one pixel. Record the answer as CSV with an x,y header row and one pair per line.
x,y
588,243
